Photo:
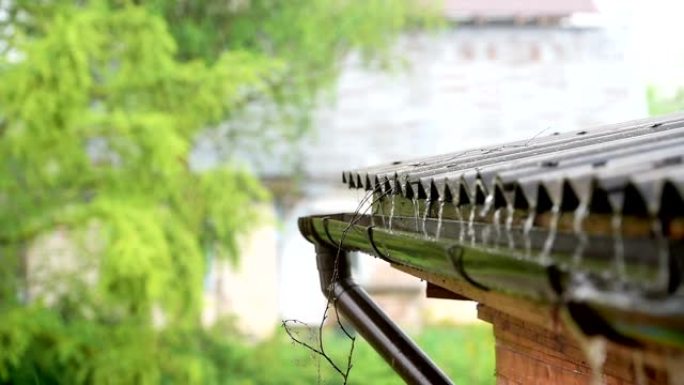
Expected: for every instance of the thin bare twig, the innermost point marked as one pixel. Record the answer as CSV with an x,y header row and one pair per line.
x,y
308,346
359,213
536,136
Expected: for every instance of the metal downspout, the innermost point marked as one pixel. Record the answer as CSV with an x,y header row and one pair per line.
x,y
407,359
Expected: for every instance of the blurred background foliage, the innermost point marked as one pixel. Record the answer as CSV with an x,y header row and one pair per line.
x,y
101,103
660,102
94,354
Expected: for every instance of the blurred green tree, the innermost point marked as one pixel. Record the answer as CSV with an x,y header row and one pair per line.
x,y
101,103
659,104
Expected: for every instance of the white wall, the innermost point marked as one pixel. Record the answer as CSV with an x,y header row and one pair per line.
x,y
250,289
475,86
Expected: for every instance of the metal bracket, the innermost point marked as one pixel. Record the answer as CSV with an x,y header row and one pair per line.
x,y
377,251
456,255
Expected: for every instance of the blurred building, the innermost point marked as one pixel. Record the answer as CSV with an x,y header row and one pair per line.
x,y
501,70
248,289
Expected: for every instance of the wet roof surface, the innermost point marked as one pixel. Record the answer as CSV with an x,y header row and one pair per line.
x,y
631,168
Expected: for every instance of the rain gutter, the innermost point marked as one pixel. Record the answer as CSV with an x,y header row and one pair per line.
x,y
632,320
350,300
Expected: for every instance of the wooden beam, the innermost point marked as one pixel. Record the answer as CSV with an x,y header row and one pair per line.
x,y
543,319
435,291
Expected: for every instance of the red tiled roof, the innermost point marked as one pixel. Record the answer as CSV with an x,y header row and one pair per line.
x,y
513,8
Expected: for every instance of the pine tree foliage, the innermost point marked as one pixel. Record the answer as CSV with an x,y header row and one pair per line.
x,y
101,103
312,37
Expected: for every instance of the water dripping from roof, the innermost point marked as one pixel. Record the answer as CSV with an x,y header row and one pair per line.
x,y
544,256
663,254
594,348
486,232
391,215
425,216
374,211
461,227
471,225
527,228
381,211
440,212
497,225
416,212
509,225
577,227
618,247
488,203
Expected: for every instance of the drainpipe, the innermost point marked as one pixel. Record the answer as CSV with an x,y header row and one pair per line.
x,y
387,339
